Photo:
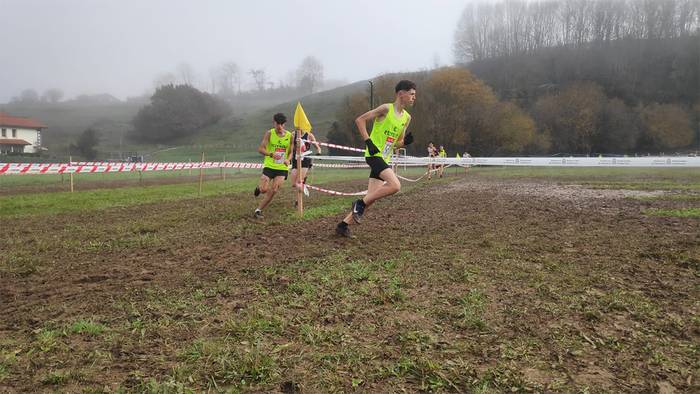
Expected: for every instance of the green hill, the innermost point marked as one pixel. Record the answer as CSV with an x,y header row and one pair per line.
x,y
244,132
234,137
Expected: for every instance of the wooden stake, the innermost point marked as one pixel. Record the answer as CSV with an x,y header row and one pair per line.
x,y
300,179
223,173
201,175
70,162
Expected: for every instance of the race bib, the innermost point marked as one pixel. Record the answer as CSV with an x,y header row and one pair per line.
x,y
387,146
279,155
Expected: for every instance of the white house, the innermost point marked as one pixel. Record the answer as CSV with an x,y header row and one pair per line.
x,y
21,135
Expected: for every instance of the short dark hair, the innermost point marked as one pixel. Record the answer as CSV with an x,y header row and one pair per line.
x,y
404,84
280,118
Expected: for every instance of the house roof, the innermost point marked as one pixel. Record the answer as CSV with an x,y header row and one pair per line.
x,y
7,120
13,141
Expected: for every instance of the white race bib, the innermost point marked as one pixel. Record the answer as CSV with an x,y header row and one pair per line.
x,y
279,155
387,147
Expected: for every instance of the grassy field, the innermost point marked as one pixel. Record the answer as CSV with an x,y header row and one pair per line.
x,y
501,280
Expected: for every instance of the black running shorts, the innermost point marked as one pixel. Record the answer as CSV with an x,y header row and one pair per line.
x,y
305,163
272,174
376,165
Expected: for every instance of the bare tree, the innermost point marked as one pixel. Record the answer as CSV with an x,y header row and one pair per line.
x,y
186,74
215,79
259,78
164,79
230,77
310,74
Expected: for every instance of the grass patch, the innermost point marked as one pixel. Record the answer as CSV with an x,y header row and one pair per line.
x,y
47,339
86,327
472,310
677,213
668,197
21,205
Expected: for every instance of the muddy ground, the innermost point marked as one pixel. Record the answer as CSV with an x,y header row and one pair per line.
x,y
459,285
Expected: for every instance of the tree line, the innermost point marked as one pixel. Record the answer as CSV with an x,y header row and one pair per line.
x,y
456,109
514,27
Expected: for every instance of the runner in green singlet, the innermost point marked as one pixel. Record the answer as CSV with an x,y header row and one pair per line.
x,y
442,153
388,133
276,146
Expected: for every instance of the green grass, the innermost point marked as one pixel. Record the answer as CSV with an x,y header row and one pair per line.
x,y
63,202
487,300
678,213
86,327
669,197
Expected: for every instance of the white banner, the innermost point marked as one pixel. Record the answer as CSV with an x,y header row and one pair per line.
x,y
647,161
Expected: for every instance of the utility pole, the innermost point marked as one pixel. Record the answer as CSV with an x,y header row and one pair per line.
x,y
371,95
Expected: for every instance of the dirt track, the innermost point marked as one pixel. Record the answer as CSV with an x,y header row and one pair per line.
x,y
528,285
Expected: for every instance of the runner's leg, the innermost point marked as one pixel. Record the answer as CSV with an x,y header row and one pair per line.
x,y
276,183
381,189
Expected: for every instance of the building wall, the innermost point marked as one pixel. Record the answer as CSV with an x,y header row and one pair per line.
x,y
30,135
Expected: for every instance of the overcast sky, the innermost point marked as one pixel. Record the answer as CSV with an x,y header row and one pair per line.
x,y
121,46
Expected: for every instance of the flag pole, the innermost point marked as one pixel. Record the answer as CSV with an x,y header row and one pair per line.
x,y
299,181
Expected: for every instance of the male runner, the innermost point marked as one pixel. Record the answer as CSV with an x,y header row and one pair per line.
x,y
442,153
388,133
276,146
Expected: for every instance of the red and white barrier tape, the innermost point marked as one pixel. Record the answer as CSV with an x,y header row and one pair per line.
x,y
65,168
336,193
341,165
419,178
336,146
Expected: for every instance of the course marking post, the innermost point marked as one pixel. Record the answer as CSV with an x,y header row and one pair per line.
x,y
201,175
223,173
300,179
70,160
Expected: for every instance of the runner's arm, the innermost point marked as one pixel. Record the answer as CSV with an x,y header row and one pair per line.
x,y
400,143
313,140
262,149
288,156
362,120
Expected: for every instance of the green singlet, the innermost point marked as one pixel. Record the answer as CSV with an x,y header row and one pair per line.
x,y
386,133
278,146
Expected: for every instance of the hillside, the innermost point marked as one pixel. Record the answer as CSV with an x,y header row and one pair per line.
x,y
244,132
238,133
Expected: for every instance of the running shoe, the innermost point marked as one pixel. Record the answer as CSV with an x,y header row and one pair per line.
x,y
258,214
343,231
358,209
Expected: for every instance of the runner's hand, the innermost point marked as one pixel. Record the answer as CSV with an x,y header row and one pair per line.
x,y
408,139
286,162
371,148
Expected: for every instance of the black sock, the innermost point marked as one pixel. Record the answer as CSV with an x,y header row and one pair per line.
x,y
342,224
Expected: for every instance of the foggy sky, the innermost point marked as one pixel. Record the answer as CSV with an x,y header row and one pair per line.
x,y
121,46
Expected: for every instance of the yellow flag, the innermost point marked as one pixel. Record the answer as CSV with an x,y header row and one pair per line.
x,y
301,122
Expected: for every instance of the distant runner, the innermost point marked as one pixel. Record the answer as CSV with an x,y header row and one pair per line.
x,y
276,146
308,139
442,154
388,133
432,153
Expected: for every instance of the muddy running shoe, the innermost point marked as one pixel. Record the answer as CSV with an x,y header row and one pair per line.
x,y
258,214
257,191
358,209
343,230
